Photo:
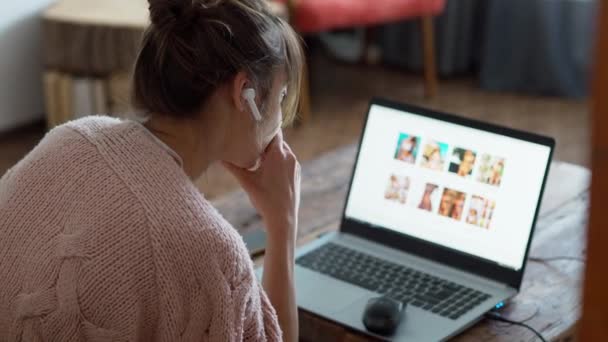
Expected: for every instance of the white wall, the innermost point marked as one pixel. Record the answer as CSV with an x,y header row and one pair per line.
x,y
21,60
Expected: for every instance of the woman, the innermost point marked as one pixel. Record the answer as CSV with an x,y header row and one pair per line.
x,y
405,152
392,190
105,237
426,200
397,189
496,173
458,206
466,163
447,203
472,218
432,157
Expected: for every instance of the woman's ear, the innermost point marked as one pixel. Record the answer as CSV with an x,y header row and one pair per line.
x,y
239,83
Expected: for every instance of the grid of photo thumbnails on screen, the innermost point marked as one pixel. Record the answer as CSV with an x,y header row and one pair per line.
x,y
445,183
461,162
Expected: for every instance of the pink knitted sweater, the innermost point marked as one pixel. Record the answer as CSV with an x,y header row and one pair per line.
x,y
103,237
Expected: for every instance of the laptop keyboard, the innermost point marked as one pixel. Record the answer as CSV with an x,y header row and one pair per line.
x,y
427,292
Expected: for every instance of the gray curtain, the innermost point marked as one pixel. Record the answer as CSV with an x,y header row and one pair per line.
x,y
457,36
533,46
538,46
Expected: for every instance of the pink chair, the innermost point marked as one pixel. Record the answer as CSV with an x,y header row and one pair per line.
x,y
311,16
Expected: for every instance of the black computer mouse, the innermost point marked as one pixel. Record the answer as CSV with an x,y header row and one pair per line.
x,y
382,315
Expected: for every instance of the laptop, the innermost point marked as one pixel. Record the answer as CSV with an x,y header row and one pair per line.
x,y
439,215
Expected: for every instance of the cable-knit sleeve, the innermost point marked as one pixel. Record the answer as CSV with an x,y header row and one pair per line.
x,y
260,321
241,308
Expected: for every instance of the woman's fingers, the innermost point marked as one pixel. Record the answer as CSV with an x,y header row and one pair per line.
x,y
278,147
287,148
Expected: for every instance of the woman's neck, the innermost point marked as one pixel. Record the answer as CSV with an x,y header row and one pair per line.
x,y
189,139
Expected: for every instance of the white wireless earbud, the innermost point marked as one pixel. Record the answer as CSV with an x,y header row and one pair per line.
x,y
249,96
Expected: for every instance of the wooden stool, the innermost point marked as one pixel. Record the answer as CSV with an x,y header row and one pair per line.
x,y
90,47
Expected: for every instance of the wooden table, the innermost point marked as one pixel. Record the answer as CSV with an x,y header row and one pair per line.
x,y
552,286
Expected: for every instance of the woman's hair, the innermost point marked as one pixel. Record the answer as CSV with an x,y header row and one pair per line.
x,y
193,46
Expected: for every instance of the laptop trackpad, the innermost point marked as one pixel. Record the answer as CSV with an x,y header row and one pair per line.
x,y
322,294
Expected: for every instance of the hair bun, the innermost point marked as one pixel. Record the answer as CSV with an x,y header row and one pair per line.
x,y
168,15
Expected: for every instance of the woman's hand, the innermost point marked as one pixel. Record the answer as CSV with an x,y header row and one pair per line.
x,y
274,189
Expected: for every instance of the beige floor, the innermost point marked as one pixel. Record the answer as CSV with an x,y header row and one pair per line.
x,y
340,97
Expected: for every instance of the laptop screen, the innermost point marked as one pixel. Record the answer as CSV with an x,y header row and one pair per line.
x,y
459,187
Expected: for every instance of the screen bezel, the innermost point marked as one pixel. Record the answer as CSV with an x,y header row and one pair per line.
x,y
445,255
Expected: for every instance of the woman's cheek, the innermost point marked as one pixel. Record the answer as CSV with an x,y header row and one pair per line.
x,y
264,140
272,131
